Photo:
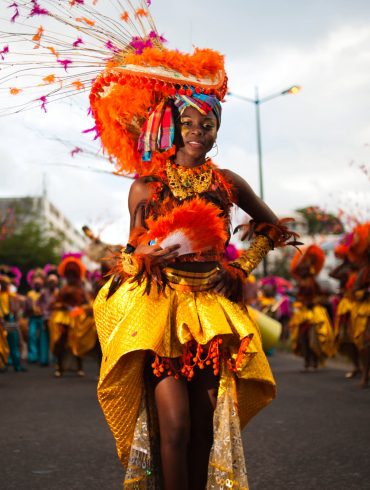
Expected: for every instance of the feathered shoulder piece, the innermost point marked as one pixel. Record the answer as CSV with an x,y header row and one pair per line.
x,y
278,233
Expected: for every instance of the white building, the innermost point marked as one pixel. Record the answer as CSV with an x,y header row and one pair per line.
x,y
52,221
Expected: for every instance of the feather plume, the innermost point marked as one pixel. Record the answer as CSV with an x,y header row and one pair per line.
x,y
196,225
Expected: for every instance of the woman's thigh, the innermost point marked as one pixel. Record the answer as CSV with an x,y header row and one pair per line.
x,y
172,401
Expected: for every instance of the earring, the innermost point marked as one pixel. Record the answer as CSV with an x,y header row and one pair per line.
x,y
215,146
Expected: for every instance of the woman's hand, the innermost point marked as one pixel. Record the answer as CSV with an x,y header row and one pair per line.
x,y
159,257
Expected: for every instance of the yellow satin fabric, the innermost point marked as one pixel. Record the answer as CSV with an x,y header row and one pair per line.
x,y
130,323
360,326
342,323
82,335
318,318
4,303
4,348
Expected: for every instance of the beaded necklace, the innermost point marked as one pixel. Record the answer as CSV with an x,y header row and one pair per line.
x,y
186,182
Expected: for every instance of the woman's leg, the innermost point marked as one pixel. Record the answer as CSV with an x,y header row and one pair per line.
x,y
60,350
203,398
171,397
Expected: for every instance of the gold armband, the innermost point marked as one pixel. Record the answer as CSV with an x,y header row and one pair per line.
x,y
258,250
131,264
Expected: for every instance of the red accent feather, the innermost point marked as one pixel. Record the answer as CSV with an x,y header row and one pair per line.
x,y
197,220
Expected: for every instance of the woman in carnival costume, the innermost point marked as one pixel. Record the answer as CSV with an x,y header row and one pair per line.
x,y
71,323
46,303
10,312
345,273
359,255
183,365
311,329
38,339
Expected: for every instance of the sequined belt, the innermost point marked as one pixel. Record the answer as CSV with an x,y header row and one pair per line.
x,y
191,281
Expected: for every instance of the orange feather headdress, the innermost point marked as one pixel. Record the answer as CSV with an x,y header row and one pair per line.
x,y
123,62
307,262
359,248
70,261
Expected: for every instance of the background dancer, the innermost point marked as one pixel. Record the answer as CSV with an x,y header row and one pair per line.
x,y
311,330
68,309
38,339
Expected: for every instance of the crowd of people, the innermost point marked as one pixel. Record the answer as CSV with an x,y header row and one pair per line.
x,y
52,324
317,321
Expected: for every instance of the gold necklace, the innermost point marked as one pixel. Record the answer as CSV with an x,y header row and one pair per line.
x,y
186,182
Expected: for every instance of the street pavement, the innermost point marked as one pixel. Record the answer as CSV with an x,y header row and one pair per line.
x,y
314,436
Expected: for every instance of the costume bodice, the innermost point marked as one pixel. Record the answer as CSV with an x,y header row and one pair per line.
x,y
176,186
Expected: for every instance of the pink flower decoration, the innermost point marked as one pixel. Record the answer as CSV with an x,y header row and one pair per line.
x,y
5,50
75,151
109,45
155,35
30,276
91,130
37,10
77,42
16,11
65,63
43,103
75,255
17,275
140,44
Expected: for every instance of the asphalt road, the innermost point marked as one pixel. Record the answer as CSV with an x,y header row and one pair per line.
x,y
315,435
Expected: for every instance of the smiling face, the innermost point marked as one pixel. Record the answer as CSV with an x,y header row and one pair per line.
x,y
197,134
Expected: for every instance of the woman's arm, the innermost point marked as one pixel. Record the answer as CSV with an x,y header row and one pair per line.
x,y
139,196
248,201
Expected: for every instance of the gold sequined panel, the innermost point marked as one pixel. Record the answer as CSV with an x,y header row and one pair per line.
x,y
130,323
360,314
227,468
82,335
4,348
321,336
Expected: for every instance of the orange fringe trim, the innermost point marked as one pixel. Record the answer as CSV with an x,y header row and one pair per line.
x,y
199,356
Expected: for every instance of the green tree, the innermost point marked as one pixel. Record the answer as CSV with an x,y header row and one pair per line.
x,y
29,247
321,222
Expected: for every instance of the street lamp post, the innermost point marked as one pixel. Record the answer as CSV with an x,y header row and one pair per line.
x,y
257,103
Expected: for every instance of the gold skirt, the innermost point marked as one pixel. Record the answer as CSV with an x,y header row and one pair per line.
x,y
321,337
130,323
82,336
4,348
343,322
360,324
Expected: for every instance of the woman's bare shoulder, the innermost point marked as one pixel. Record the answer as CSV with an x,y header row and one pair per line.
x,y
140,188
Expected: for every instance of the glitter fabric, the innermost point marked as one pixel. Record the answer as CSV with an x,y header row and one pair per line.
x,y
360,314
321,336
130,324
82,335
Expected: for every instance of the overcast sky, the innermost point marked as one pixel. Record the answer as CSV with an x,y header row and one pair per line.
x,y
314,143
